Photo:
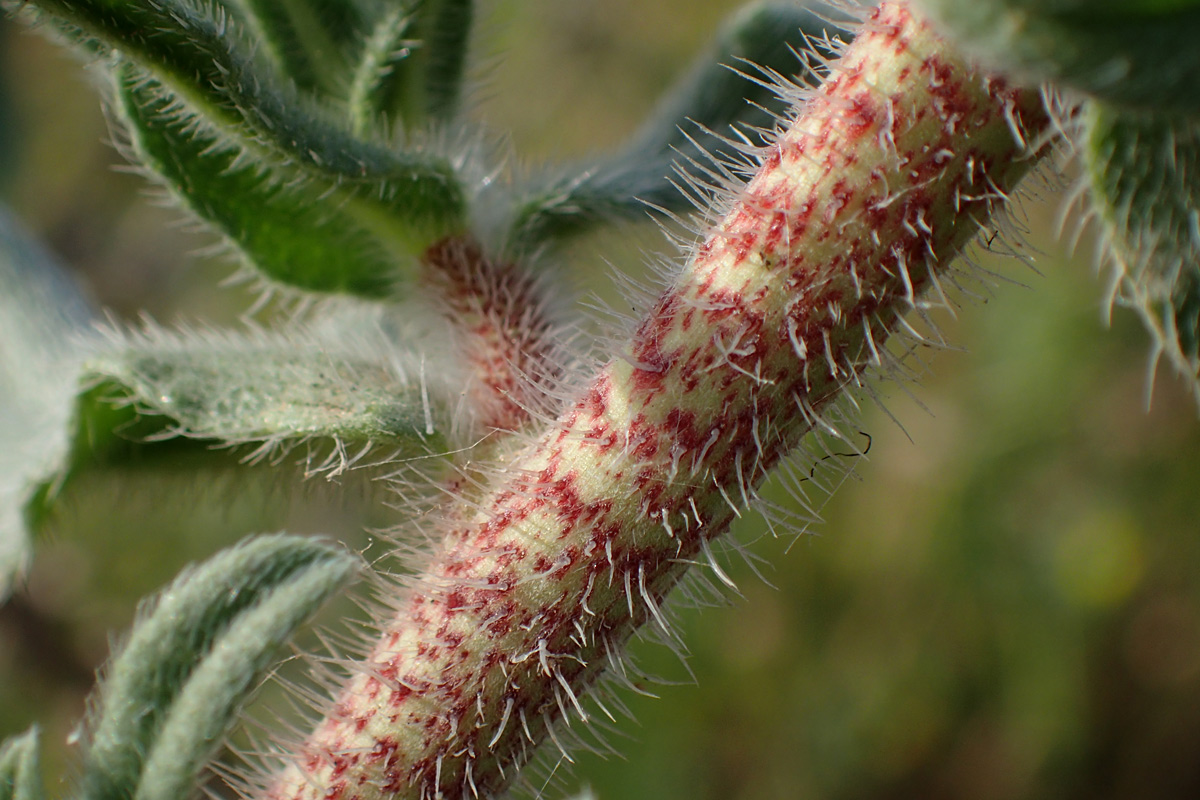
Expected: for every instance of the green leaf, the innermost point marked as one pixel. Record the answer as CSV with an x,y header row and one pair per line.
x,y
288,235
408,197
43,317
379,84
1135,53
306,40
411,66
20,771
274,388
444,29
714,97
193,658
1144,171
170,401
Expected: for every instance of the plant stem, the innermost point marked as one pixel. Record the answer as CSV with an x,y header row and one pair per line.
x,y
886,174
503,328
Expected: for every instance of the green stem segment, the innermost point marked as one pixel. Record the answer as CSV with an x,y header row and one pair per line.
x,y
885,176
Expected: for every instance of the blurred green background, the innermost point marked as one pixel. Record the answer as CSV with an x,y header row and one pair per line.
x,y
1006,606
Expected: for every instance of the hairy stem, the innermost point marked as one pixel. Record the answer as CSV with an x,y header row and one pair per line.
x,y
863,201
503,328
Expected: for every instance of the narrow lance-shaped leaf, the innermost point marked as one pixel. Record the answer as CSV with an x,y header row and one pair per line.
x,y
171,400
275,388
286,234
42,312
20,770
1136,53
193,658
719,90
307,40
410,68
407,197
1144,173
716,93
445,30
376,80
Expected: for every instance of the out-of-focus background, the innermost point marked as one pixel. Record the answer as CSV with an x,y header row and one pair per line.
x,y
1006,606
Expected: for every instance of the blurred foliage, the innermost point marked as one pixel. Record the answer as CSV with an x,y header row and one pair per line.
x,y
1006,607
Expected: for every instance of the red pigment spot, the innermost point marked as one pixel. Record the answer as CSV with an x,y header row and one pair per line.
x,y
649,359
400,695
725,303
843,83
595,401
648,383
772,160
502,624
802,216
650,487
606,440
644,437
888,22
569,557
457,600
385,750
341,763
952,102
775,233
509,556
681,427
563,495
776,197
839,198
463,566
864,116
689,372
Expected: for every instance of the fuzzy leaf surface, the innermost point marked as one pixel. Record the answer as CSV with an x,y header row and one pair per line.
x,y
408,196
715,97
1144,171
1135,53
20,770
194,656
306,40
410,67
246,389
174,401
288,235
428,84
43,317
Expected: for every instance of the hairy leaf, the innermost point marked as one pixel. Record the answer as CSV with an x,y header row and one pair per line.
x,y
20,772
273,388
1137,53
307,40
1144,170
172,401
407,197
194,656
376,92
716,97
287,234
410,68
42,316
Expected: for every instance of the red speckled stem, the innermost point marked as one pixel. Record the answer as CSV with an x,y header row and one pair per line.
x,y
504,331
879,183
